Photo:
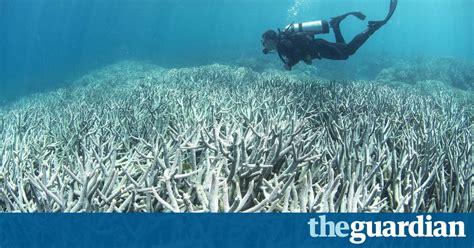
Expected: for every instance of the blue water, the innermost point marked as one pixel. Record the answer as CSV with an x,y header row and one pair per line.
x,y
45,44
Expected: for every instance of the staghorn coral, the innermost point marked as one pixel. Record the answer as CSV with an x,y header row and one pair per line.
x,y
361,67
227,139
452,72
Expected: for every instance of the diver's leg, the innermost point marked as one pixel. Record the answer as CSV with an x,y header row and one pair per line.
x,y
373,26
330,50
335,21
360,39
338,35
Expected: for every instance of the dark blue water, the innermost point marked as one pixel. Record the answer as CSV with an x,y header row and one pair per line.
x,y
45,44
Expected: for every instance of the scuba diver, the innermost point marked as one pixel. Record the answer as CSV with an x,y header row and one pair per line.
x,y
297,42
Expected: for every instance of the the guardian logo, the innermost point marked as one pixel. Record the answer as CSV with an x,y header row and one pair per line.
x,y
359,231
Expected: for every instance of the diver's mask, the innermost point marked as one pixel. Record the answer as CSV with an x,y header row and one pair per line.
x,y
265,49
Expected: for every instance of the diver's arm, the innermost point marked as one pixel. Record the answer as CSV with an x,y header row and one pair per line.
x,y
289,65
286,51
293,50
303,42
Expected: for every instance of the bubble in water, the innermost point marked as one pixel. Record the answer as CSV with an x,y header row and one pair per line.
x,y
294,10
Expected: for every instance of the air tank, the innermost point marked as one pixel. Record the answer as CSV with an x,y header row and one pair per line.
x,y
314,27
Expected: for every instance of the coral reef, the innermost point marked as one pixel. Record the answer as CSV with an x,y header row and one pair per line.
x,y
137,138
360,67
450,71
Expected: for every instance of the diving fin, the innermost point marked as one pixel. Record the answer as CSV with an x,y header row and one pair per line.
x,y
336,20
359,15
377,24
393,6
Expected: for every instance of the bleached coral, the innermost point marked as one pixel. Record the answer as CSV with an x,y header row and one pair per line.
x,y
450,71
227,139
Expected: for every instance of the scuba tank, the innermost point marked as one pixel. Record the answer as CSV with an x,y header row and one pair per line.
x,y
314,27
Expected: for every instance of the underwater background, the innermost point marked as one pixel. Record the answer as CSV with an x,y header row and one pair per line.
x,y
47,43
171,106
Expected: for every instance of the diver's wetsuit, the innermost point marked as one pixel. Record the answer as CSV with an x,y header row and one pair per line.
x,y
297,47
293,48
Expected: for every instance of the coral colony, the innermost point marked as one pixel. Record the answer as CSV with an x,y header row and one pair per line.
x,y
138,138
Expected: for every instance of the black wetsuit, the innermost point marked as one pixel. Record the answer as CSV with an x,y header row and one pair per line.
x,y
297,47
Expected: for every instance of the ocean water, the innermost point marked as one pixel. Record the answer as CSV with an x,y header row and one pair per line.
x,y
171,106
47,43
